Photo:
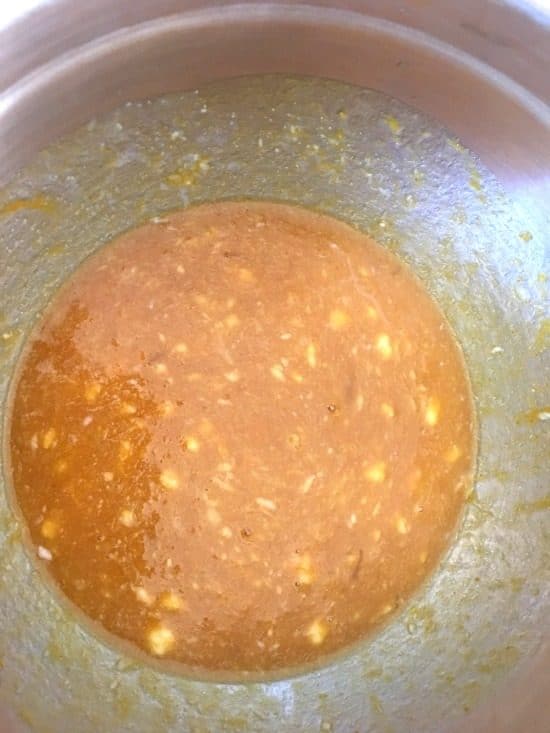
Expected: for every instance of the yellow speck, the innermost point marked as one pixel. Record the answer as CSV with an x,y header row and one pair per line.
x,y
226,532
431,414
40,203
393,123
92,391
61,465
49,438
475,181
542,338
127,518
160,368
311,355
169,479
171,601
213,516
454,143
144,596
180,348
127,408
49,529
317,632
294,440
372,313
526,236
125,450
189,174
387,410
304,569
232,320
376,535
423,557
402,525
246,275
376,472
166,408
232,376
108,476
161,640
277,372
191,444
376,509
383,346
453,453
338,319
297,377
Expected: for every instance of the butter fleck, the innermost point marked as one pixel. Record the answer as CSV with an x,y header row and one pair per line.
x,y
402,525
161,640
49,438
171,601
127,518
49,529
338,319
376,472
213,516
307,484
232,320
383,346
277,372
431,414
387,410
311,355
232,376
169,479
92,391
191,444
452,454
317,632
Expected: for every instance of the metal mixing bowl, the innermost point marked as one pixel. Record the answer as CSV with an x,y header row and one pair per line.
x,y
471,651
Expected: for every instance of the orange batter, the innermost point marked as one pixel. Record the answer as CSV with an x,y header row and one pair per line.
x,y
241,436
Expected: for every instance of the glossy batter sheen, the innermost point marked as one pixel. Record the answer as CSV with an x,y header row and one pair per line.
x,y
241,436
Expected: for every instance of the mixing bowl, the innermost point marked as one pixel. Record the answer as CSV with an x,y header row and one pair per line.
x,y
426,125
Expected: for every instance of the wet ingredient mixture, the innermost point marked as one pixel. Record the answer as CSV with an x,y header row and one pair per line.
x,y
241,436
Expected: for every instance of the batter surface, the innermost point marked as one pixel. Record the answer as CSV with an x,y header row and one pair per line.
x,y
241,436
